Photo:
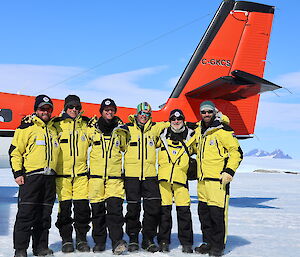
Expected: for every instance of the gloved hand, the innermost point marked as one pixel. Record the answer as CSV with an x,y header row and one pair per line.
x,y
225,179
92,121
28,118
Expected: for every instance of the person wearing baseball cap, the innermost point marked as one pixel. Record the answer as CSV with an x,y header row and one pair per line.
x,y
33,154
173,163
106,186
72,176
218,155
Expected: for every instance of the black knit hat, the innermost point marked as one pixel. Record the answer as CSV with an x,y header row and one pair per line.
x,y
41,100
176,113
72,100
107,102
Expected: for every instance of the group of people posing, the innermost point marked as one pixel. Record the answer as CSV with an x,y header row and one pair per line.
x,y
93,164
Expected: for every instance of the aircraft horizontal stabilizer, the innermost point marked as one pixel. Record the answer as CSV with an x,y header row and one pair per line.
x,y
240,85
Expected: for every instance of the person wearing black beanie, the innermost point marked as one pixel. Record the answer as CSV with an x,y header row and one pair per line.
x,y
72,176
173,164
106,187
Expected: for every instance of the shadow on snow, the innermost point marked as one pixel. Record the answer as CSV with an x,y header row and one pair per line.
x,y
8,196
245,202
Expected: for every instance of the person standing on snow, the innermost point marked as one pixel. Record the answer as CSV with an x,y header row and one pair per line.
x,y
173,164
141,179
33,156
218,156
106,186
72,176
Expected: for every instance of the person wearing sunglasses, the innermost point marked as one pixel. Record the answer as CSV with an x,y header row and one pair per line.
x,y
141,179
33,156
218,156
72,176
109,139
173,164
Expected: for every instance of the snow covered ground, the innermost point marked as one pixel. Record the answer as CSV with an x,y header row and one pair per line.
x,y
264,214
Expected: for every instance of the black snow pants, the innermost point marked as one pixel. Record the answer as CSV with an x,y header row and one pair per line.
x,y
35,202
108,214
184,221
81,219
148,190
213,225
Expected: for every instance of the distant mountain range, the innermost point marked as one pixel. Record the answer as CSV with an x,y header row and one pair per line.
x,y
277,154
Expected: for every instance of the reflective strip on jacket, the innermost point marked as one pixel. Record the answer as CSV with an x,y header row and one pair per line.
x,y
217,150
106,153
74,144
173,160
34,148
140,157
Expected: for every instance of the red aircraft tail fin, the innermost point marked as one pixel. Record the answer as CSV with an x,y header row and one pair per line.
x,y
236,39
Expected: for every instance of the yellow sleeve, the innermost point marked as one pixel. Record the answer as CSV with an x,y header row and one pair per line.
x,y
17,150
235,153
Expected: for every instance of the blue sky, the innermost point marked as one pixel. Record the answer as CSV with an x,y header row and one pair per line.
x,y
140,49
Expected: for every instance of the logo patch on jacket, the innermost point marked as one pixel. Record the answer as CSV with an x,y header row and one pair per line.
x,y
151,143
117,143
174,152
83,138
212,142
40,142
55,143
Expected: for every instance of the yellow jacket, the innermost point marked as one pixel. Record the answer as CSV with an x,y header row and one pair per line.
x,y
173,160
34,148
217,150
106,153
74,144
140,157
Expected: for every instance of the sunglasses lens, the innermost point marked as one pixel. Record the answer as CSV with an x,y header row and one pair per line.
x,y
175,118
45,109
77,107
145,113
204,112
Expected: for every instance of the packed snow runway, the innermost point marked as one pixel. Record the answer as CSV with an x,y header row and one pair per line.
x,y
264,218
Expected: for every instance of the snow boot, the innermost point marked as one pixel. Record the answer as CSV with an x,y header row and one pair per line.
x,y
21,253
133,245
82,246
99,248
215,252
149,246
119,247
67,247
187,249
43,252
164,247
203,248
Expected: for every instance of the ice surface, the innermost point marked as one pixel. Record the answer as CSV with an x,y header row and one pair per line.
x,y
264,215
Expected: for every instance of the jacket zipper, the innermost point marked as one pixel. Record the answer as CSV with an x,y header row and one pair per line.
x,y
107,150
146,144
173,165
73,147
201,157
47,147
139,145
70,139
218,148
77,152
102,145
142,144
111,146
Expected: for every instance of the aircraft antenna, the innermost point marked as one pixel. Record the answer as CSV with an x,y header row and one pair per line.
x,y
126,52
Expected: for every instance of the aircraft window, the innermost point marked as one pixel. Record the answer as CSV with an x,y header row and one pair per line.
x,y
5,115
